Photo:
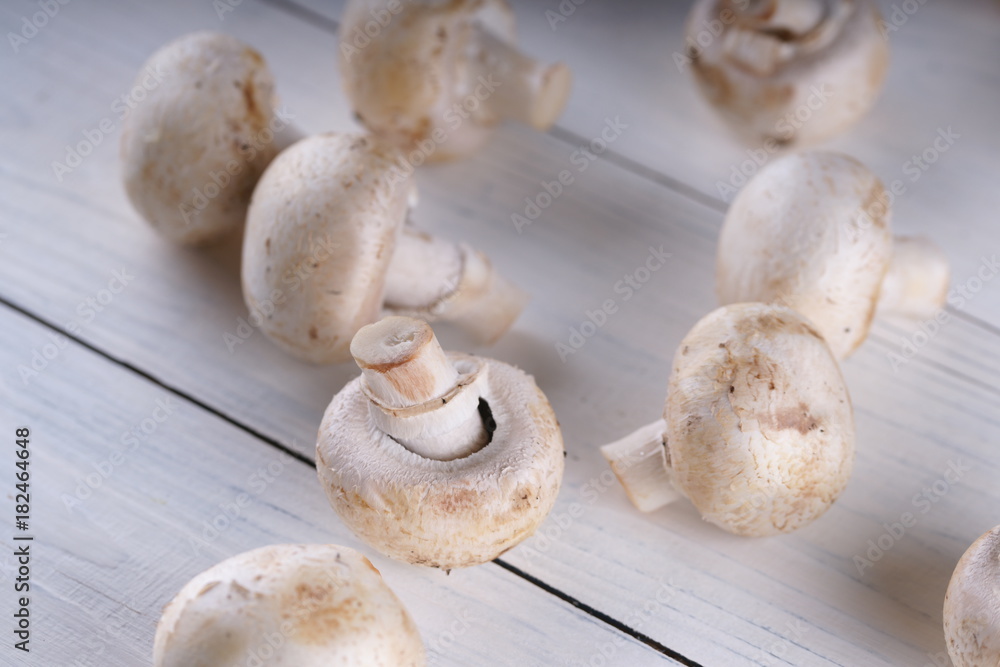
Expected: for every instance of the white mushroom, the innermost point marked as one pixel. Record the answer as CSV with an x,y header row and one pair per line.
x,y
812,231
326,247
297,605
758,430
436,76
193,149
788,71
445,460
972,605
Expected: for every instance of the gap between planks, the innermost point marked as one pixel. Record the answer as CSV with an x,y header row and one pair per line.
x,y
571,138
538,583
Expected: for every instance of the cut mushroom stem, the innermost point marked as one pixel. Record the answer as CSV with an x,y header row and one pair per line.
x,y
639,461
522,88
433,279
418,396
916,283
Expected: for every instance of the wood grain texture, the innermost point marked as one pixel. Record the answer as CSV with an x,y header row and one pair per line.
x,y
799,599
116,538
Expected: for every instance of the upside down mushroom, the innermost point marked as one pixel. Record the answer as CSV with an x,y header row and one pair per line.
x,y
327,248
812,231
436,76
435,458
297,605
972,605
788,71
193,149
757,432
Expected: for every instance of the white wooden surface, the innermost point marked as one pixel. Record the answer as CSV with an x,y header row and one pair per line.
x,y
106,567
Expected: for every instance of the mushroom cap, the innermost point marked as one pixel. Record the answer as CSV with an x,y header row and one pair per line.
x,y
404,81
811,231
799,73
193,149
295,605
972,605
320,234
760,431
444,514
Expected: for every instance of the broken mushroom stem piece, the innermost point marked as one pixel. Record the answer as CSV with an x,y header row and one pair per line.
x,y
437,76
327,604
417,394
758,430
916,282
434,458
328,247
435,279
812,231
523,89
193,148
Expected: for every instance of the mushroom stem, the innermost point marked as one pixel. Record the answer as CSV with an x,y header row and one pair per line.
x,y
795,16
417,394
435,279
639,460
517,87
916,283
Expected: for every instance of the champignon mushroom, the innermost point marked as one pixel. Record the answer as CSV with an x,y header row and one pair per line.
x,y
435,77
193,149
812,231
307,605
758,430
435,458
972,605
326,247
788,71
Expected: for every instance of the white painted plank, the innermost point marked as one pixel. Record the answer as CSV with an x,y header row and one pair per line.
x,y
171,319
942,75
116,539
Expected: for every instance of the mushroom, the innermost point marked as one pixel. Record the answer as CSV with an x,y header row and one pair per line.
x,y
435,76
787,71
326,247
193,148
438,459
757,432
972,605
307,605
812,231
